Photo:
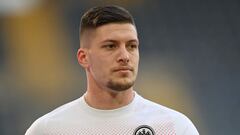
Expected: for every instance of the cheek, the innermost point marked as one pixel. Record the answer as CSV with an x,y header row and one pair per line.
x,y
97,64
136,59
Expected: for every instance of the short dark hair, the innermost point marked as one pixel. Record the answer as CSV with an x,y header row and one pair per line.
x,y
101,15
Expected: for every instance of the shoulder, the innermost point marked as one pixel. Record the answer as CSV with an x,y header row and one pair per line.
x,y
38,127
181,123
155,108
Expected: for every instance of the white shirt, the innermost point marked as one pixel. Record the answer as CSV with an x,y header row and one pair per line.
x,y
140,117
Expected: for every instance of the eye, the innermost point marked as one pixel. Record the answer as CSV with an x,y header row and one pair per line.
x,y
110,46
132,46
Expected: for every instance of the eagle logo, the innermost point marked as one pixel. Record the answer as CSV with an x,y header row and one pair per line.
x,y
144,130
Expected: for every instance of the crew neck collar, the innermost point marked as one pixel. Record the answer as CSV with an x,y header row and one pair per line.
x,y
111,112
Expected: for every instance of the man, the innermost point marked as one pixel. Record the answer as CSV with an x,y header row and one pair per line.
x,y
109,54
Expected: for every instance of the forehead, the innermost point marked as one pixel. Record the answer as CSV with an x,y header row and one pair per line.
x,y
125,31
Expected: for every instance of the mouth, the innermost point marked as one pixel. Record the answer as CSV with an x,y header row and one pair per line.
x,y
123,69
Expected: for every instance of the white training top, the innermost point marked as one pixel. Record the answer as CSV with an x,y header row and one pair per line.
x,y
140,117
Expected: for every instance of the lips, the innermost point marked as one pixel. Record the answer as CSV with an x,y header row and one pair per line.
x,y
125,68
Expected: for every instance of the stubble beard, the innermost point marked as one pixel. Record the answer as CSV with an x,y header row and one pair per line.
x,y
122,82
120,86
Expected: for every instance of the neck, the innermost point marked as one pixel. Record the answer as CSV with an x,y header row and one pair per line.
x,y
108,99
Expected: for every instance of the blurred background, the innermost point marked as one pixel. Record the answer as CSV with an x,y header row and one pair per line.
x,y
189,49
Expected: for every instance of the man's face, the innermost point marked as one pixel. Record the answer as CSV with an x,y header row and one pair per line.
x,y
113,56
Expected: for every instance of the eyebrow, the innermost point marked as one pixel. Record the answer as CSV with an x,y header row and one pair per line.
x,y
110,40
133,40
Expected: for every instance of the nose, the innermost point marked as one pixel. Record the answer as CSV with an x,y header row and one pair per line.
x,y
123,56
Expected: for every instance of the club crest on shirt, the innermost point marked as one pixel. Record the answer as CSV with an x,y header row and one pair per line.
x,y
144,130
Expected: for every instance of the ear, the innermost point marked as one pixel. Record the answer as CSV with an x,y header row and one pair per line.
x,y
82,57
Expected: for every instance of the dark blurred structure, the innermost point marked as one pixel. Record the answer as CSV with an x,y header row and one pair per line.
x,y
190,53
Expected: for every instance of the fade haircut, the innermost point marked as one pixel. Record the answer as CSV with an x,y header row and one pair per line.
x,y
102,15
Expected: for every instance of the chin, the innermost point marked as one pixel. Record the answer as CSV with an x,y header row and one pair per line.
x,y
120,86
